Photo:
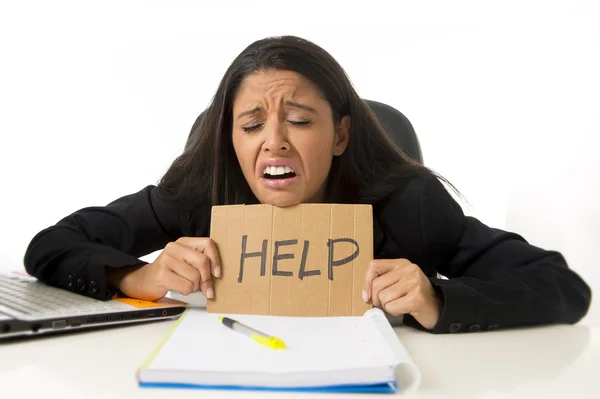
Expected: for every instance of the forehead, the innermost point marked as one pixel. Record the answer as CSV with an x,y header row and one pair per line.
x,y
275,85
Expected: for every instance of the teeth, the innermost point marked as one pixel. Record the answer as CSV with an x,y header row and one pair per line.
x,y
277,170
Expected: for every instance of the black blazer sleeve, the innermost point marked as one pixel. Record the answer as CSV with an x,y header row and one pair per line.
x,y
74,253
495,279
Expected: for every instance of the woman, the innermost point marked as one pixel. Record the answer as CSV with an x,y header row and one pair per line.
x,y
286,127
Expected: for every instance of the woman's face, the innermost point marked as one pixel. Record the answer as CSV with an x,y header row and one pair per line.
x,y
285,137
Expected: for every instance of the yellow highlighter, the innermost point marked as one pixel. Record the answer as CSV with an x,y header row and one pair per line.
x,y
265,339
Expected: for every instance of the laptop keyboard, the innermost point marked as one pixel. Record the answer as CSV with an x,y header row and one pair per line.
x,y
25,296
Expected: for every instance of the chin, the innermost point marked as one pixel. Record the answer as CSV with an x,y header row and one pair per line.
x,y
281,200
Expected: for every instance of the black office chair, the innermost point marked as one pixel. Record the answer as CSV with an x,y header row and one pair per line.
x,y
394,123
398,127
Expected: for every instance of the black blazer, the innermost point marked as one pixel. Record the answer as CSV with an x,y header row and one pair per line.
x,y
495,279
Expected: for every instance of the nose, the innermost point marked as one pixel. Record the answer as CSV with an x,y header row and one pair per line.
x,y
276,139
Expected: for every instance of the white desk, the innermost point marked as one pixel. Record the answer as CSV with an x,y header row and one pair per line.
x,y
549,362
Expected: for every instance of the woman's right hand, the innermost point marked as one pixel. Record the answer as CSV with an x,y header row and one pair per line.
x,y
185,266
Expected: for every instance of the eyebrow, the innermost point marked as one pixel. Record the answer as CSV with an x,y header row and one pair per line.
x,y
301,106
289,103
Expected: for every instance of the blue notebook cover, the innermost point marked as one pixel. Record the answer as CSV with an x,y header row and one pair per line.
x,y
390,387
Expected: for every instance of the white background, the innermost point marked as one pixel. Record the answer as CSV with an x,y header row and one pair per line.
x,y
97,98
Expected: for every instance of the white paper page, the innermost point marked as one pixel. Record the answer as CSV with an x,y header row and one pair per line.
x,y
202,343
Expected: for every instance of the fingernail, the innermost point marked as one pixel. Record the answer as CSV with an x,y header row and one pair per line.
x,y
365,296
217,271
210,293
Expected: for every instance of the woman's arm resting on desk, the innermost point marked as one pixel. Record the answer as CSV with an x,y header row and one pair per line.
x,y
79,251
496,279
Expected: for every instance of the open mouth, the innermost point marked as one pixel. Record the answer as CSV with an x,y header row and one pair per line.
x,y
278,172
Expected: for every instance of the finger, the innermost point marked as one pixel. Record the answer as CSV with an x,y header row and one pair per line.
x,y
212,252
183,269
206,283
195,259
201,263
393,293
208,247
376,268
381,283
173,257
406,299
399,306
173,281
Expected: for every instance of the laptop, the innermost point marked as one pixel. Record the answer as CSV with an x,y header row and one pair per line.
x,y
29,308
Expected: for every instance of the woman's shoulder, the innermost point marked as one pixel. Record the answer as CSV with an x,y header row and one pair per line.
x,y
417,194
420,216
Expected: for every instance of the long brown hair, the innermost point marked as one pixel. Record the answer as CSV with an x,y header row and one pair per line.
x,y
208,173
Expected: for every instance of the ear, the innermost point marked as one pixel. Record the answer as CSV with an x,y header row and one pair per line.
x,y
342,136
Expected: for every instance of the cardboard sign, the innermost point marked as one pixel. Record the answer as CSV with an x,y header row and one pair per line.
x,y
304,260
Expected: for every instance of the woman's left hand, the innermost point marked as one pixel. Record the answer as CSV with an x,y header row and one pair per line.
x,y
400,287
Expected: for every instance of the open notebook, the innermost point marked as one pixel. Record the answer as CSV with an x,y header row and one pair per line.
x,y
332,354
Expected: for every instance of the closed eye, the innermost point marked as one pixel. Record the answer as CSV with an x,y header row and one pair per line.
x,y
249,129
300,123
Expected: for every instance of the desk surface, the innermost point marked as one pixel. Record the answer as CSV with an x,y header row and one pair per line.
x,y
548,362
